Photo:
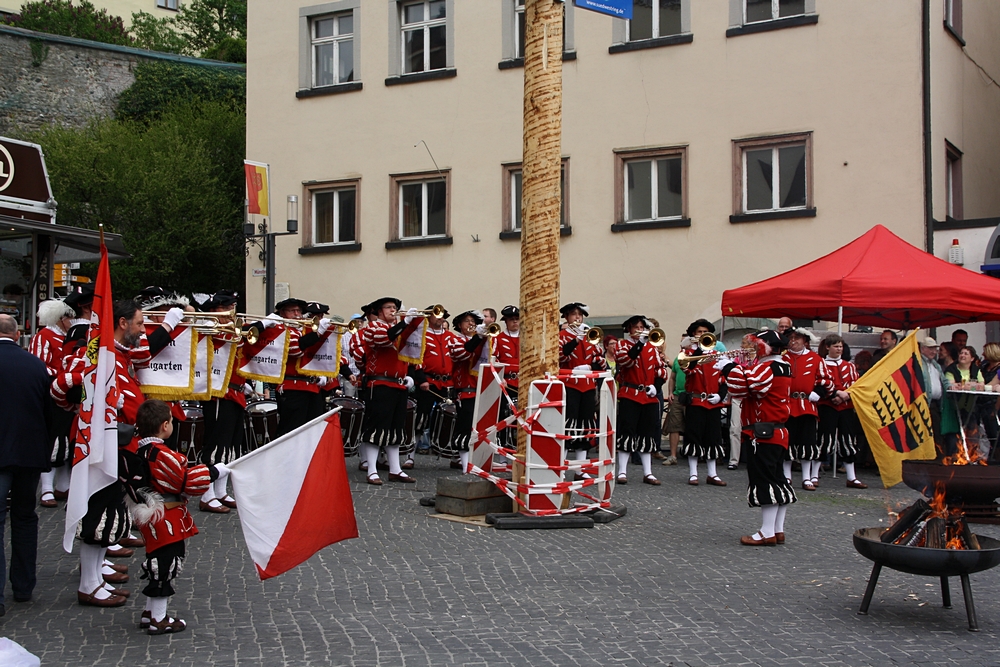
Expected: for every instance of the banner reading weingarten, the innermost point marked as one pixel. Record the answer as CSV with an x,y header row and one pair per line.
x,y
894,409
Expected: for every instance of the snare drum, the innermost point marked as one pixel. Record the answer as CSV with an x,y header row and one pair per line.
x,y
262,417
352,414
191,430
443,428
409,443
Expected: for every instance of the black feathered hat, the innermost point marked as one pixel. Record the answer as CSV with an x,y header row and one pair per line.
x,y
290,303
510,311
476,315
565,310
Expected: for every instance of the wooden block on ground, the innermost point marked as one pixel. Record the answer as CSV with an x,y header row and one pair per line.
x,y
467,488
471,507
528,522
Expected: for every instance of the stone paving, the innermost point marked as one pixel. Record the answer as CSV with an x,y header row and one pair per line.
x,y
667,585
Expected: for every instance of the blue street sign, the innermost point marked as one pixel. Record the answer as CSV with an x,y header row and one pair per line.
x,y
620,9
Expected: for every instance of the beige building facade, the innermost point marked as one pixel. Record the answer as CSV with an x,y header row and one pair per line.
x,y
122,8
707,144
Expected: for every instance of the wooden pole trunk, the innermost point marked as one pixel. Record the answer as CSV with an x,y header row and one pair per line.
x,y
541,200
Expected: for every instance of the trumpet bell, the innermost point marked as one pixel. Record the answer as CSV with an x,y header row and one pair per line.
x,y
251,336
657,337
595,335
493,330
707,340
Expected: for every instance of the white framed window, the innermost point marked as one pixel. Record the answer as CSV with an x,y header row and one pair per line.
x,y
334,215
519,28
168,4
652,19
421,206
755,11
512,194
651,185
774,174
329,48
333,49
514,23
424,36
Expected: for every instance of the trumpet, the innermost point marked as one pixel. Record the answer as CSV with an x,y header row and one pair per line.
x,y
305,325
230,330
350,327
595,336
493,330
217,317
655,337
738,356
707,340
434,311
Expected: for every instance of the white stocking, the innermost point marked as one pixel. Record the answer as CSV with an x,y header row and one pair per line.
x,y
392,453
580,455
779,519
849,469
48,481
463,458
623,462
647,463
219,486
371,453
62,478
768,515
209,494
693,466
787,466
806,471
712,470
158,608
91,561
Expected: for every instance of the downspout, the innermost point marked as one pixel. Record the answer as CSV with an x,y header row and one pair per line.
x,y
925,44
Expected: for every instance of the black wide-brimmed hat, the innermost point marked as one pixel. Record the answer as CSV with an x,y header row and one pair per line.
x,y
476,315
773,339
315,308
510,311
630,322
565,310
290,303
78,300
222,299
375,307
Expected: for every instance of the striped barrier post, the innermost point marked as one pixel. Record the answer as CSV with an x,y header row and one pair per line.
x,y
545,456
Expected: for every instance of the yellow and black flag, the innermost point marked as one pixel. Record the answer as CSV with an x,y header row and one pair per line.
x,y
894,408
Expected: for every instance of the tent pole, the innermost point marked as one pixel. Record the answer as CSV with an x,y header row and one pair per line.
x,y
840,320
723,332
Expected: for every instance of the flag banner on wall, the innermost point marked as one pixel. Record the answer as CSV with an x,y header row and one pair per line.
x,y
258,187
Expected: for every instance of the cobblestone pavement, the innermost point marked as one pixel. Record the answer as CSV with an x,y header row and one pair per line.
x,y
668,584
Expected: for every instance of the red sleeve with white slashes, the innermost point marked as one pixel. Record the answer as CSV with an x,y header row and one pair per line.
x,y
169,473
140,354
376,334
754,382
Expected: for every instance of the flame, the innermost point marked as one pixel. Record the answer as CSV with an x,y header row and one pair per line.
x,y
939,508
954,543
966,454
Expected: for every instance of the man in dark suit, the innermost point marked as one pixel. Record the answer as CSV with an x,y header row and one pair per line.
x,y
24,455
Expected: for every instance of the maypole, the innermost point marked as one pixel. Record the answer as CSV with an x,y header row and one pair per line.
x,y
541,200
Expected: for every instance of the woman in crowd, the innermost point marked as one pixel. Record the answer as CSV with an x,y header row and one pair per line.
x,y
958,411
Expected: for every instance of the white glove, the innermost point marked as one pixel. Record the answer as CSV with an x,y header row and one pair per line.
x,y
813,397
324,325
173,317
411,315
481,329
270,320
650,391
322,381
408,382
223,470
714,399
582,368
688,341
721,363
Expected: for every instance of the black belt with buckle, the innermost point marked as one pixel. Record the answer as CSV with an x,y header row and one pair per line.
x,y
301,378
640,387
703,396
438,378
461,389
510,376
799,394
386,378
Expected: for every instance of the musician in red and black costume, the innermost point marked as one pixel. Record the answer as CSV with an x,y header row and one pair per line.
x,y
764,387
299,400
466,348
641,372
577,354
838,422
224,430
329,387
54,318
706,390
810,383
388,382
507,350
433,377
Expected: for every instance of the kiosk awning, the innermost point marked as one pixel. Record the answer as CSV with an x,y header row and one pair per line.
x,y
74,243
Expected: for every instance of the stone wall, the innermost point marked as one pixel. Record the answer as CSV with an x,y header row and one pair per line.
x,y
53,79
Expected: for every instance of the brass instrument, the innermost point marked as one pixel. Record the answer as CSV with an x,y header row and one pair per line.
x,y
435,311
493,330
739,355
656,337
218,317
595,336
707,340
350,327
305,325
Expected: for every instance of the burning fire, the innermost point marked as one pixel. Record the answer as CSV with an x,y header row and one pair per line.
x,y
932,524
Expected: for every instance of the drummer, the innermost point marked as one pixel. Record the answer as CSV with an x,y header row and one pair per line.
x,y
224,431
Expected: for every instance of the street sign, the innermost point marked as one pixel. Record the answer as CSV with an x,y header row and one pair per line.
x,y
259,273
620,9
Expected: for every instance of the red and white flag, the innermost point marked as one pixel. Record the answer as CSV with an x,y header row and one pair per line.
x,y
294,497
95,454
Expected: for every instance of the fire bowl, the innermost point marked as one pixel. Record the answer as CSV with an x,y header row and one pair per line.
x,y
927,562
973,484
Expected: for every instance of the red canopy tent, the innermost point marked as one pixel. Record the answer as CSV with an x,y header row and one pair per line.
x,y
878,280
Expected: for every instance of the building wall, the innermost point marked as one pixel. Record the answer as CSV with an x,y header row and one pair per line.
x,y
855,84
125,8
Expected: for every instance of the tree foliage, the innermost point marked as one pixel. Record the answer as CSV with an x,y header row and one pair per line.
x,y
62,17
156,34
208,22
160,84
172,187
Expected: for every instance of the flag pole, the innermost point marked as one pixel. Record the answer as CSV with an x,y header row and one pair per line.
x,y
100,228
